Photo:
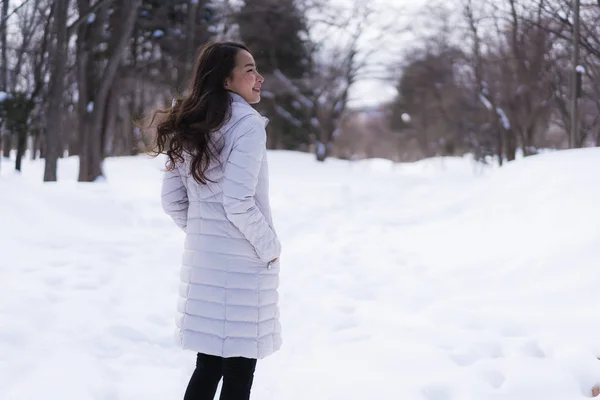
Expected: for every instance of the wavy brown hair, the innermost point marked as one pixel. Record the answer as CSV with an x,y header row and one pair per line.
x,y
186,126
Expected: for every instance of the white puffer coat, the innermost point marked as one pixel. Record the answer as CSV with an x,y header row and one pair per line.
x,y
228,304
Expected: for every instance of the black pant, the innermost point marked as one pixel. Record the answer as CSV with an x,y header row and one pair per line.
x,y
237,374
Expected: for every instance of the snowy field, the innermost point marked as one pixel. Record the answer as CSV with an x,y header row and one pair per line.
x,y
436,280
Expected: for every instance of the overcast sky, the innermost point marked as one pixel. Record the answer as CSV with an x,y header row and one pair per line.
x,y
389,51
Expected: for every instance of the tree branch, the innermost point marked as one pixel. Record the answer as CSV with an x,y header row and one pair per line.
x,y
14,11
73,27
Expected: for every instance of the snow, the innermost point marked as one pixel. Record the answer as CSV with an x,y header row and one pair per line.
x,y
91,18
422,281
158,33
485,89
3,96
90,107
406,117
485,101
580,69
503,118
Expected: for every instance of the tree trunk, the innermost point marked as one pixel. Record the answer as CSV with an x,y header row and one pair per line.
x,y
42,146
528,140
6,145
35,147
3,24
511,144
85,35
191,42
21,147
500,149
110,128
55,96
323,147
90,162
136,100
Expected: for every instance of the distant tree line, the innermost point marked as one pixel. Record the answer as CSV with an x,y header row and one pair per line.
x,y
495,79
75,74
490,78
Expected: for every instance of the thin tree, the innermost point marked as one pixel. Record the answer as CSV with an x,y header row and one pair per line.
x,y
55,95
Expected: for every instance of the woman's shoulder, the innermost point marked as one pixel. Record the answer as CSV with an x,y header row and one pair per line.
x,y
244,117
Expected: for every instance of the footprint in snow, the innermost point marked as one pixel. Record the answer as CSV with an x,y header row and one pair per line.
x,y
532,349
158,320
54,280
127,333
345,325
493,377
436,392
346,309
85,286
513,331
474,352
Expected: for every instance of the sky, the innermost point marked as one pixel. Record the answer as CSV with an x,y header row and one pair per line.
x,y
372,92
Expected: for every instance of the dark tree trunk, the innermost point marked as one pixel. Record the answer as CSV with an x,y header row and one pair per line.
x,y
21,147
90,161
55,97
110,129
42,146
36,146
4,61
511,144
6,145
500,149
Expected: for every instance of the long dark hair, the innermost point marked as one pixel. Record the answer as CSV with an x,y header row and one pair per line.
x,y
187,125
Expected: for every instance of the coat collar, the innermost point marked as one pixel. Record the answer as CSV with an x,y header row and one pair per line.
x,y
236,98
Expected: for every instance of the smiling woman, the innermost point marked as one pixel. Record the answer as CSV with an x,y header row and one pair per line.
x,y
215,188
245,79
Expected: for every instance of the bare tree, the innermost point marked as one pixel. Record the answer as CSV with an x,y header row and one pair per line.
x,y
3,69
93,102
561,15
527,92
498,126
324,96
26,84
3,26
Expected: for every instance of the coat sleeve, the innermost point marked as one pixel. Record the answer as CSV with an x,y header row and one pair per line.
x,y
174,197
239,187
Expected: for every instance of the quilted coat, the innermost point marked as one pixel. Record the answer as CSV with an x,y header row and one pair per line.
x,y
228,292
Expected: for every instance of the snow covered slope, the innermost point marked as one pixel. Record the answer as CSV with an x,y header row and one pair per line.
x,y
428,281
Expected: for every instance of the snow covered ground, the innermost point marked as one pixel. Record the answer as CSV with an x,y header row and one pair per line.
x,y
428,281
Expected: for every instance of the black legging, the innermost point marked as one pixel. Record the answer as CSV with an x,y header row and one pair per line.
x,y
237,374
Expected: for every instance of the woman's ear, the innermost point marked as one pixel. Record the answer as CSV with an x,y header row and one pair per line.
x,y
226,83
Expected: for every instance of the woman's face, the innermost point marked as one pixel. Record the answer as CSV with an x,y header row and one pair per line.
x,y
245,79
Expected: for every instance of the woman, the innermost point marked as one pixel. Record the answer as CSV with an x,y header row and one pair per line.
x,y
216,189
